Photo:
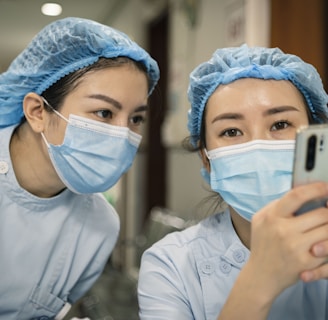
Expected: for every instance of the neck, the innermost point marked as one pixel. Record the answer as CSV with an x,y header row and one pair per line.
x,y
31,163
242,227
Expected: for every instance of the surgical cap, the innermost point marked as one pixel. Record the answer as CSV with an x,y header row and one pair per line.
x,y
60,48
230,64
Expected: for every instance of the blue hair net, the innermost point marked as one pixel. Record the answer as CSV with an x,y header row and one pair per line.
x,y
60,48
230,64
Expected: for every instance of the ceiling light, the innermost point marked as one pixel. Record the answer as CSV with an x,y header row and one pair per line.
x,y
51,9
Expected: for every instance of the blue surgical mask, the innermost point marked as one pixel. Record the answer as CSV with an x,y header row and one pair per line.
x,y
93,155
250,175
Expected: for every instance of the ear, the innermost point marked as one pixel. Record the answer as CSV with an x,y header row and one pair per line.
x,y
206,162
34,111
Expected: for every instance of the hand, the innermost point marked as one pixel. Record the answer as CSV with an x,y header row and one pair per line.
x,y
282,244
318,250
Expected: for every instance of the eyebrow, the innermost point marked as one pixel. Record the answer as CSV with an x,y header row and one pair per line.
x,y
281,109
228,116
114,102
239,116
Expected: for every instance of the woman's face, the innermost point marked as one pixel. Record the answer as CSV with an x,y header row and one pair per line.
x,y
116,96
249,109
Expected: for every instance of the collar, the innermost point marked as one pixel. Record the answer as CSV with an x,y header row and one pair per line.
x,y
221,242
10,186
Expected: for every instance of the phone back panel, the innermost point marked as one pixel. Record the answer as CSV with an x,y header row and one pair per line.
x,y
311,155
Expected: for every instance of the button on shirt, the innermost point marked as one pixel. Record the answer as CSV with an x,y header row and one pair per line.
x,y
52,250
189,274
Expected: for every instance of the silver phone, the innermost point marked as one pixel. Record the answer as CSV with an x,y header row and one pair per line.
x,y
311,160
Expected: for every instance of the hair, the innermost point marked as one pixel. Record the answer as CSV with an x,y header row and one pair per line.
x,y
56,94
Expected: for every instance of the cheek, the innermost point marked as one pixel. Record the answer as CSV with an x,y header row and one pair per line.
x,y
212,138
55,131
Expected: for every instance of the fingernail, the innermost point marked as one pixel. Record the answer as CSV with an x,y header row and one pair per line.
x,y
318,250
307,276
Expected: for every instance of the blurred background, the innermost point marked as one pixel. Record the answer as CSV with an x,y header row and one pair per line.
x,y
164,191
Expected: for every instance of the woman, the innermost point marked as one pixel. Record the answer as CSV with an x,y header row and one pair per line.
x,y
71,108
256,260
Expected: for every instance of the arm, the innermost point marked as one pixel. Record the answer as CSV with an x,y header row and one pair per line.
x,y
280,253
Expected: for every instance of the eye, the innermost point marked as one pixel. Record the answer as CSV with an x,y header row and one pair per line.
x,y
231,133
137,120
104,114
280,125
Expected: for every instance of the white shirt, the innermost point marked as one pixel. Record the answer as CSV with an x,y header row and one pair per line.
x,y
52,250
189,274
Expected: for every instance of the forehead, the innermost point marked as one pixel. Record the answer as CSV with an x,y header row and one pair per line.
x,y
243,93
123,77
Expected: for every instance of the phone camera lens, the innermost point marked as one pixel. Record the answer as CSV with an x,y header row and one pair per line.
x,y
310,155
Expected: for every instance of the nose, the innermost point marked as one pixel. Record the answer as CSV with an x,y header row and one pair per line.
x,y
259,133
120,121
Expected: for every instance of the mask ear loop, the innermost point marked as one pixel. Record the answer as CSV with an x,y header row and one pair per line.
x,y
57,113
54,110
206,153
204,171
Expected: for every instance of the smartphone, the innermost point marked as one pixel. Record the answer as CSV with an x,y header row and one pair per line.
x,y
311,160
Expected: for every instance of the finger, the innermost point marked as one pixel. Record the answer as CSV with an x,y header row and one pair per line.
x,y
298,196
320,249
318,273
312,219
316,236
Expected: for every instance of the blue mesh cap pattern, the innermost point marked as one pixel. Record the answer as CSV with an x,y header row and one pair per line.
x,y
60,48
230,64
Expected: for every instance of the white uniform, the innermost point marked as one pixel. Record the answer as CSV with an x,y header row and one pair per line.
x,y
52,249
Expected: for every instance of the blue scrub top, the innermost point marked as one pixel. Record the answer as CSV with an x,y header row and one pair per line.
x,y
52,249
189,274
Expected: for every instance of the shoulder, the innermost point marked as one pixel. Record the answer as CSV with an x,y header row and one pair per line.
x,y
185,270
100,213
202,230
100,224
202,237
173,270
5,135
100,221
101,206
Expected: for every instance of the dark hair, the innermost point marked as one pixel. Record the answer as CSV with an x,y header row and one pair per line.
x,y
56,94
